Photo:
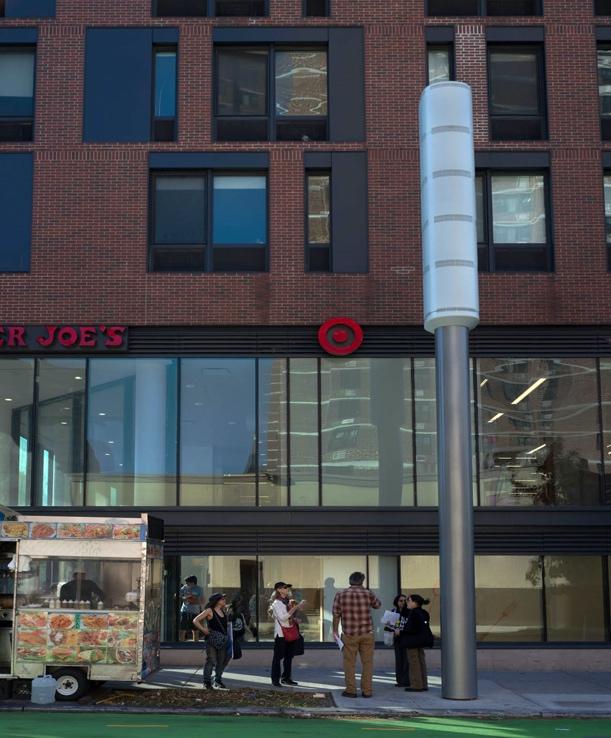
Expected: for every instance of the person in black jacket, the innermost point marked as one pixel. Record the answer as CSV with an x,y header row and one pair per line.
x,y
416,636
401,663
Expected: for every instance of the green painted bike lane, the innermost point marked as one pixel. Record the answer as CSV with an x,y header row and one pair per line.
x,y
117,725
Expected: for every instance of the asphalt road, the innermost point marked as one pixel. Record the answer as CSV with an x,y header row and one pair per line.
x,y
103,725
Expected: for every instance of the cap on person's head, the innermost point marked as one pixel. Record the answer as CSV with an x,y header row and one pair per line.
x,y
191,579
214,598
357,577
281,585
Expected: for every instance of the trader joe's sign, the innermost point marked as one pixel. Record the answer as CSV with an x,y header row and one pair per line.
x,y
63,338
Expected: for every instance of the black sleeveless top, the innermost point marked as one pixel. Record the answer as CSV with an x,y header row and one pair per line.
x,y
218,623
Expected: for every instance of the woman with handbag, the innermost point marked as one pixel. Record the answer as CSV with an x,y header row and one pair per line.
x,y
416,636
214,624
286,634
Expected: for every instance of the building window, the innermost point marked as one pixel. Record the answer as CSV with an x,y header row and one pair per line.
x,y
28,9
602,7
164,115
17,93
607,186
294,109
538,432
604,89
318,227
440,63
316,8
513,224
203,8
516,89
484,7
194,227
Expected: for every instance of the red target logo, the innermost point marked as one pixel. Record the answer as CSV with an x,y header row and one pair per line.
x,y
340,336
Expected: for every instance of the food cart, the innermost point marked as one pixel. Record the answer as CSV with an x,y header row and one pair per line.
x,y
80,599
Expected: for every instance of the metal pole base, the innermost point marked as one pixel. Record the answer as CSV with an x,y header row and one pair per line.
x,y
458,649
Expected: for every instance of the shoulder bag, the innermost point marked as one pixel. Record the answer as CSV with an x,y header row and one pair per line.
x,y
215,639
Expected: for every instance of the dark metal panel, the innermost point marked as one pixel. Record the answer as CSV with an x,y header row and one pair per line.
x,y
317,159
16,171
30,8
18,35
269,35
512,159
210,160
349,221
346,84
603,33
439,34
607,158
165,35
118,84
515,34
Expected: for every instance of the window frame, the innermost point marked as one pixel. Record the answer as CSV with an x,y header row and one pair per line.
x,y
305,14
271,117
25,124
482,10
309,247
208,246
432,46
595,11
488,218
539,49
160,48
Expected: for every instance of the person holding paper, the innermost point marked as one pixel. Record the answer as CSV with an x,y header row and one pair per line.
x,y
352,608
401,662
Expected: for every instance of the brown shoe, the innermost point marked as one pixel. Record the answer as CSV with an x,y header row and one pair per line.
x,y
348,694
366,695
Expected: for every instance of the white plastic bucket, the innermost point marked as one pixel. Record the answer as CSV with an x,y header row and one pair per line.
x,y
43,690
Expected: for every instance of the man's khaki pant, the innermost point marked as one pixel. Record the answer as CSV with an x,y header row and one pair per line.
x,y
363,645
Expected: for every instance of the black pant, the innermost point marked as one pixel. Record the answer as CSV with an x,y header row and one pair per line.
x,y
283,651
401,664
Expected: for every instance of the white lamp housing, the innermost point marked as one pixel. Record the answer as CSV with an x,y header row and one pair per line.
x,y
449,235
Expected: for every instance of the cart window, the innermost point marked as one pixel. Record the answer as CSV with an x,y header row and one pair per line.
x,y
114,583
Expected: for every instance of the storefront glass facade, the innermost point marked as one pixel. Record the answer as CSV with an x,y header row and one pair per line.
x,y
305,432
519,599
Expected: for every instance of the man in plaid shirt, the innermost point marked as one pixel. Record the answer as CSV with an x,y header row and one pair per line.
x,y
353,607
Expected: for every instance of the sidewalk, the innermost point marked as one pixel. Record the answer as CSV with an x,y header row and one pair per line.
x,y
502,693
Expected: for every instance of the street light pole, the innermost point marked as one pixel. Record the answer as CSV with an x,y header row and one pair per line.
x,y
451,310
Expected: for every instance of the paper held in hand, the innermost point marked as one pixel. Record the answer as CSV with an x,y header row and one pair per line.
x,y
340,643
390,618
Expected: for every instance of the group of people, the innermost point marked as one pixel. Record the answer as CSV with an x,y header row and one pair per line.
x,y
409,632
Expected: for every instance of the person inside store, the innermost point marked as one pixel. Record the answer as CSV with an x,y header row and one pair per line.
x,y
81,589
352,608
213,622
286,634
191,604
401,662
240,619
415,637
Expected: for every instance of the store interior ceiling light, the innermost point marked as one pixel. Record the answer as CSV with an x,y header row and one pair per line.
x,y
483,382
543,445
496,417
530,389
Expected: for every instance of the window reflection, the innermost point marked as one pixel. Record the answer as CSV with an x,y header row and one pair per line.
x,y
304,432
439,64
242,81
514,83
518,208
605,385
217,432
273,432
16,398
366,432
538,432
604,81
60,424
301,83
17,83
131,432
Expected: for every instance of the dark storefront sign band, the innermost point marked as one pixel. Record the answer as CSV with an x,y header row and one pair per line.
x,y
63,338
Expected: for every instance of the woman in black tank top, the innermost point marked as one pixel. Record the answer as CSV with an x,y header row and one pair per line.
x,y
213,623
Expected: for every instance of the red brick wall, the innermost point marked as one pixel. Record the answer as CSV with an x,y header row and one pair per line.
x,y
90,201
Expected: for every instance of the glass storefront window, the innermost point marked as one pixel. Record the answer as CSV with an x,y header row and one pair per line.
x,y
273,433
420,575
366,432
304,432
383,579
131,432
538,428
574,598
426,431
508,598
217,432
16,400
60,427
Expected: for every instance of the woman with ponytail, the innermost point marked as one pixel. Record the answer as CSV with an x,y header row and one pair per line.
x,y
416,636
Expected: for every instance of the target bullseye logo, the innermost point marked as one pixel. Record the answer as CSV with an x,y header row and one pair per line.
x,y
340,336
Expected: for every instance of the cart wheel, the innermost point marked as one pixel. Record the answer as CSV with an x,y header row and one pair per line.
x,y
71,684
